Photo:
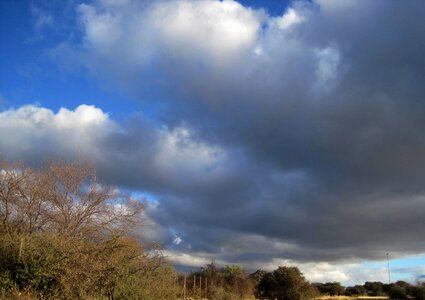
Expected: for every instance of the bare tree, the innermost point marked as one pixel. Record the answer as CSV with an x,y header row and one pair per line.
x,y
64,198
21,200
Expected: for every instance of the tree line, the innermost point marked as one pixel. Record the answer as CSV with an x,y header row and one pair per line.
x,y
396,290
284,283
65,235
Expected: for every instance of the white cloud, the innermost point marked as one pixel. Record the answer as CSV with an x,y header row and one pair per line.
x,y
220,28
130,35
321,271
83,116
191,260
31,128
177,240
102,31
289,19
178,150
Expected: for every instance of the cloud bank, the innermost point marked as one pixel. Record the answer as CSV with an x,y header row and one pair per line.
x,y
292,137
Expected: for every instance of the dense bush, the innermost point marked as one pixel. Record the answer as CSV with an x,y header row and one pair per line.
x,y
357,290
374,288
330,288
417,292
397,292
284,283
230,282
52,267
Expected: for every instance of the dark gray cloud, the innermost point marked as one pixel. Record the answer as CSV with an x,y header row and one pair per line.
x,y
296,137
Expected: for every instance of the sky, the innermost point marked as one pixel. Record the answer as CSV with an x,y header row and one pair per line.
x,y
260,133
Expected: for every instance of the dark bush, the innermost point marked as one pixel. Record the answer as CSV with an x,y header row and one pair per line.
x,y
397,292
416,292
284,283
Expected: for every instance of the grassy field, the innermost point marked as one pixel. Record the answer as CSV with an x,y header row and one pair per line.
x,y
352,298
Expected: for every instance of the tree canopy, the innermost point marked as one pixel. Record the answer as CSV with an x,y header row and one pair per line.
x,y
284,283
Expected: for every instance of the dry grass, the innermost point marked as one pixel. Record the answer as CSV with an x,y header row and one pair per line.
x,y
352,298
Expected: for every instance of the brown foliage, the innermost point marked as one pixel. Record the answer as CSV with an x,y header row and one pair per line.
x,y
63,198
63,235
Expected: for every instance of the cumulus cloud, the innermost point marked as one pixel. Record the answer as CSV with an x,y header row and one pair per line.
x,y
34,133
183,26
302,132
289,19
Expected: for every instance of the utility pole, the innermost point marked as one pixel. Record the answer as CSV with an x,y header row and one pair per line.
x,y
388,263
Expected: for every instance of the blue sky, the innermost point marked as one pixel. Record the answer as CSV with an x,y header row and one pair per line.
x,y
259,132
30,75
